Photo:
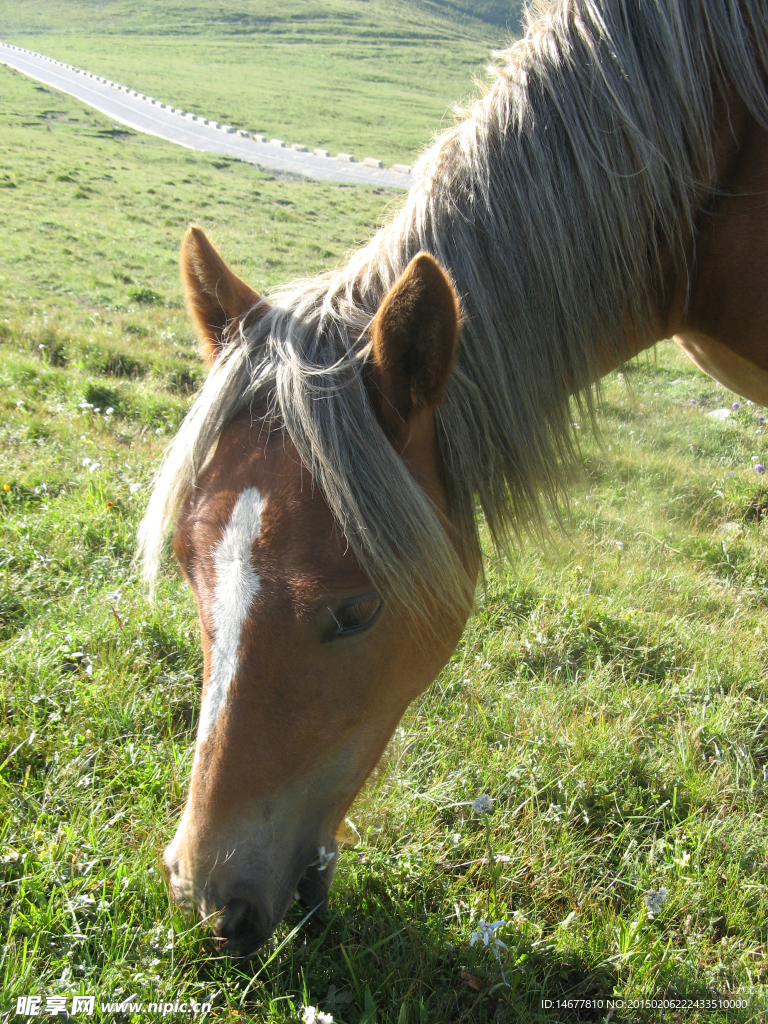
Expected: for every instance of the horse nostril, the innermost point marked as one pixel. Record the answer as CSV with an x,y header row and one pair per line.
x,y
171,862
241,924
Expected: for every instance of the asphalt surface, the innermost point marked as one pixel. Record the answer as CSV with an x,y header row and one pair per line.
x,y
145,114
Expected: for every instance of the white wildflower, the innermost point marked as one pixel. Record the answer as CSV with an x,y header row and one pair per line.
x,y
109,411
94,466
487,933
323,860
482,804
87,461
654,899
134,487
311,1015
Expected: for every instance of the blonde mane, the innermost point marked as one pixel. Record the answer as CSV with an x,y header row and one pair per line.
x,y
551,203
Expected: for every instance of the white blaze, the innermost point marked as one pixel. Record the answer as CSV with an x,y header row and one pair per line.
x,y
236,586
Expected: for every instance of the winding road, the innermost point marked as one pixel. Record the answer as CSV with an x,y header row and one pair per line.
x,y
148,115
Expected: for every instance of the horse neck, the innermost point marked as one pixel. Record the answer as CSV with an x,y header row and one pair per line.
x,y
571,283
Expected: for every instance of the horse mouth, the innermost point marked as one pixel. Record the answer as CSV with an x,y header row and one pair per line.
x,y
241,926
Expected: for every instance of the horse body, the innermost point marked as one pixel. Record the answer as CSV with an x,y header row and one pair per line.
x,y
608,191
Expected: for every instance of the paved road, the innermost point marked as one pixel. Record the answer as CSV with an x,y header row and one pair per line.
x,y
145,114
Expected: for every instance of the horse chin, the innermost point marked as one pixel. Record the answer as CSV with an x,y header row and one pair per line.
x,y
312,891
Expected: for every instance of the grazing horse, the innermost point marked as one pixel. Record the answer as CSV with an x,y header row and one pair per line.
x,y
609,189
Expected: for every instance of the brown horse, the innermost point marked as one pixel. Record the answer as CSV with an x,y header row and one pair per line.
x,y
609,190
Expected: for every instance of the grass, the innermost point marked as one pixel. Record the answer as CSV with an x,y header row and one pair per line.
x,y
337,74
609,695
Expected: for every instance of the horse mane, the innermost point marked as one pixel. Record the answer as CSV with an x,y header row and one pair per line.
x,y
552,203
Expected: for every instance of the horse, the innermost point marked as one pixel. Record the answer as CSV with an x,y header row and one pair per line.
x,y
609,189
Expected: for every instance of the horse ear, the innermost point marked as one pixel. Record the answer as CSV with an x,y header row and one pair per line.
x,y
414,336
213,293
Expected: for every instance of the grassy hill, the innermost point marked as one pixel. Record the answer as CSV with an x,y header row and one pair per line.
x,y
505,13
610,694
141,16
377,77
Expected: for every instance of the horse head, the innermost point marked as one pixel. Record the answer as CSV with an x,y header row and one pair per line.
x,y
308,666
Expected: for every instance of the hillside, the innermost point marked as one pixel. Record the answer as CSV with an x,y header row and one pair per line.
x,y
377,77
126,17
609,698
506,13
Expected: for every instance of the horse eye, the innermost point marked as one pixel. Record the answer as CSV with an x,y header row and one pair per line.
x,y
353,616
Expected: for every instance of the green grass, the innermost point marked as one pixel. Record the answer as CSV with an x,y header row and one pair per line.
x,y
376,78
610,694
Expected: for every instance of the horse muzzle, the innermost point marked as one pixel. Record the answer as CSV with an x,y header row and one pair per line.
x,y
246,909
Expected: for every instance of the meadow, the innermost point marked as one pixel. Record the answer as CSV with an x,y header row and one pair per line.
x,y
610,694
375,77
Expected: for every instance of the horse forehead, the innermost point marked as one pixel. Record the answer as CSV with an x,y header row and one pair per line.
x,y
298,534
